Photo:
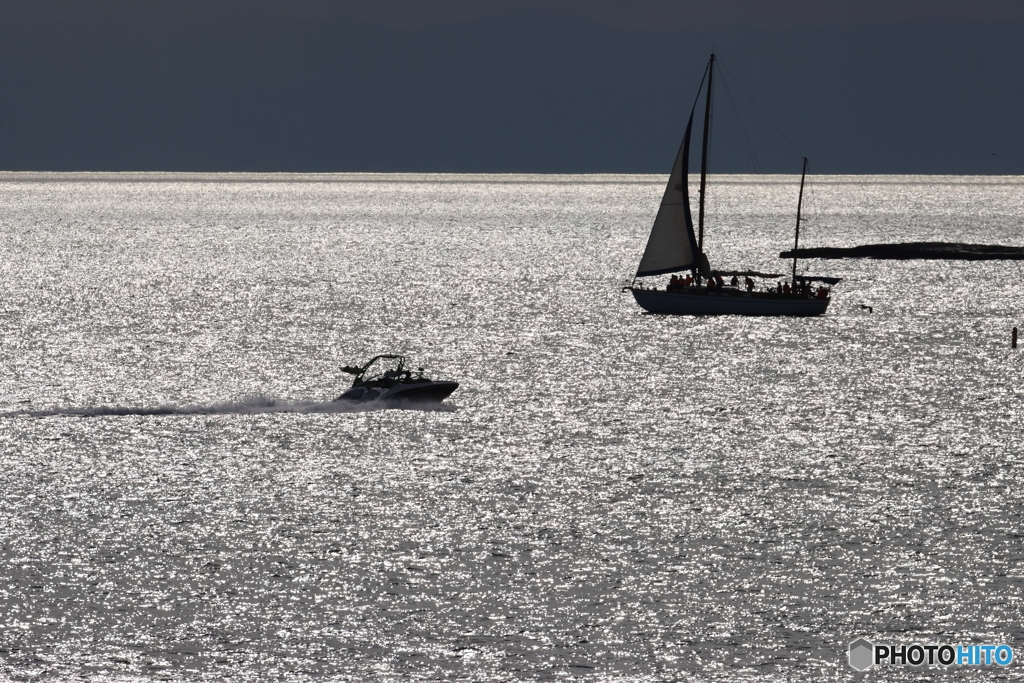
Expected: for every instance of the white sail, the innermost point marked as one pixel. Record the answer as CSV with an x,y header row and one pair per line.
x,y
672,246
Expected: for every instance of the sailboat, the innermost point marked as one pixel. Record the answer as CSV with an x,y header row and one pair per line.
x,y
673,247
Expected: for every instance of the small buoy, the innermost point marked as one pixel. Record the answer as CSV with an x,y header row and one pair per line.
x,y
1013,342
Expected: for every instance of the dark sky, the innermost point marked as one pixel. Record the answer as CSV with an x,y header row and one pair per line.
x,y
631,14
900,86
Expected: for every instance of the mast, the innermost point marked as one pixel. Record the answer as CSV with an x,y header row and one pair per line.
x,y
799,201
704,169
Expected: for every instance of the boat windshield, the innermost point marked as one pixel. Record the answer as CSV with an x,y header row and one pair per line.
x,y
383,366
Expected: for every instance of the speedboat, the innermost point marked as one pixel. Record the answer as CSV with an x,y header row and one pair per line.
x,y
385,378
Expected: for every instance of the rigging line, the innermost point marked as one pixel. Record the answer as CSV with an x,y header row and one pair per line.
x,y
811,200
696,99
748,147
763,113
811,195
745,141
702,79
708,197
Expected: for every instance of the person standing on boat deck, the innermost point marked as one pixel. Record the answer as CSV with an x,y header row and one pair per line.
x,y
750,284
734,282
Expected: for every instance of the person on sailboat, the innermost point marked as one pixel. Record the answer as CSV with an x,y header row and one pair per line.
x,y
750,284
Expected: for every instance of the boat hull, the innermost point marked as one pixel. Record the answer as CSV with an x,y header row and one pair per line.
x,y
416,392
728,302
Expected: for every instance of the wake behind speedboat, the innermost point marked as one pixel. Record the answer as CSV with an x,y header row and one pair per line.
x,y
385,378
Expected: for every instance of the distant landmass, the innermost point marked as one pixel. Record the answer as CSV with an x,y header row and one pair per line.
x,y
915,250
537,91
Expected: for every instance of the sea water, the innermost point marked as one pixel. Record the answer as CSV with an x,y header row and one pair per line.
x,y
609,495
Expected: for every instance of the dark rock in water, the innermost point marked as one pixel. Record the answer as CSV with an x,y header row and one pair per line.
x,y
915,250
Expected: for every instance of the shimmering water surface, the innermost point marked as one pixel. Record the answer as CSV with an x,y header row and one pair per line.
x,y
609,496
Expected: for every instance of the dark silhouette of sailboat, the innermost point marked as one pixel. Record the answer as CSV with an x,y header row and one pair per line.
x,y
674,247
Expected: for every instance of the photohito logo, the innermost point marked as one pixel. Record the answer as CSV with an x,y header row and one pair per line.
x,y
864,654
